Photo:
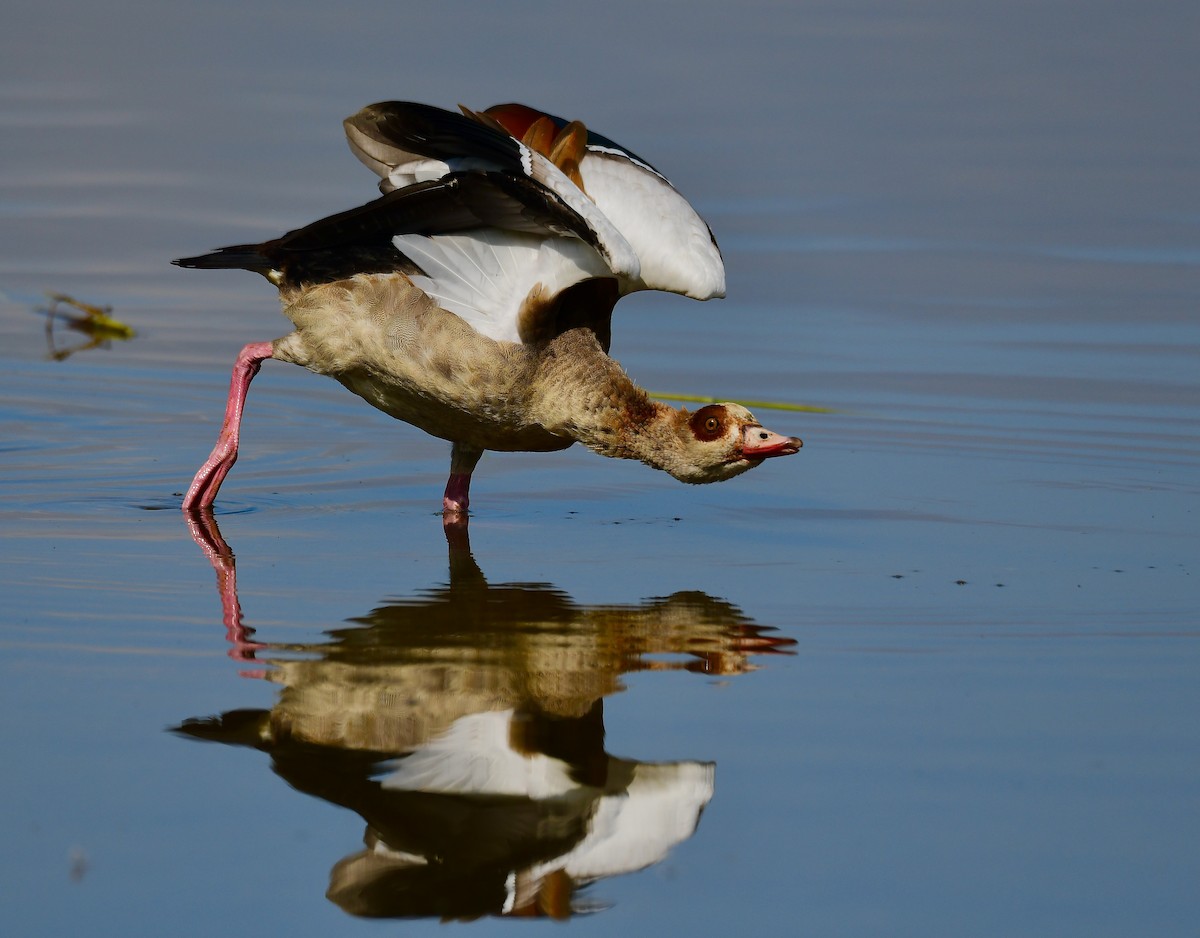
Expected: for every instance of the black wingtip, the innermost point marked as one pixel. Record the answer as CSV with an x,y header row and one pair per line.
x,y
235,257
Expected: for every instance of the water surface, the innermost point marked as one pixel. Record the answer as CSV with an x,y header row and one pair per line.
x,y
933,675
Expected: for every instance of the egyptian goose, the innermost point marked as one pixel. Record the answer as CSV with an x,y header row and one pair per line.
x,y
474,298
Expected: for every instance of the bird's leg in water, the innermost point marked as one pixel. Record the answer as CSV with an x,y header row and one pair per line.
x,y
463,459
203,489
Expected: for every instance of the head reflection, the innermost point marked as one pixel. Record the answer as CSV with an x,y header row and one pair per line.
x,y
465,725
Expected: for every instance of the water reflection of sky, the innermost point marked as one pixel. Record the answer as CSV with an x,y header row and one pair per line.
x,y
969,229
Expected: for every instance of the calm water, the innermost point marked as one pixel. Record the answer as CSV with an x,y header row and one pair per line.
x,y
936,675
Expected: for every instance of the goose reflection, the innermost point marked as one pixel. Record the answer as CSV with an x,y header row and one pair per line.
x,y
465,726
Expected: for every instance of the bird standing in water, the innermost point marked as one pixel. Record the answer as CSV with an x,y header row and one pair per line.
x,y
474,298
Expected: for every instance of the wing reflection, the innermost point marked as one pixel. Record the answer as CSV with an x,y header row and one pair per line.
x,y
465,726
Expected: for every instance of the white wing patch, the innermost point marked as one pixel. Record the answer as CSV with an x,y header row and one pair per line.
x,y
485,276
623,261
674,247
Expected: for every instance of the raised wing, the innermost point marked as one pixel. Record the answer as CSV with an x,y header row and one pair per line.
x,y
519,222
412,142
620,195
675,248
507,280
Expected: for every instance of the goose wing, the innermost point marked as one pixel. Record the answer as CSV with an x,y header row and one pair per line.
x,y
649,234
675,247
536,237
500,251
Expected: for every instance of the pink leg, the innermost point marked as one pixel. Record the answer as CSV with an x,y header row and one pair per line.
x,y
457,495
203,490
462,463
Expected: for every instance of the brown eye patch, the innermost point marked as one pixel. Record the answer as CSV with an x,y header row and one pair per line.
x,y
709,423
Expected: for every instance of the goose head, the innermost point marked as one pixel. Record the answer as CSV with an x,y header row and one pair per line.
x,y
720,441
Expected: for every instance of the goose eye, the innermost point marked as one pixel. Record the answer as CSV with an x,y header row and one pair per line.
x,y
708,423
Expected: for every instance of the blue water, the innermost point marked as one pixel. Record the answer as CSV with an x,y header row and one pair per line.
x,y
943,663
